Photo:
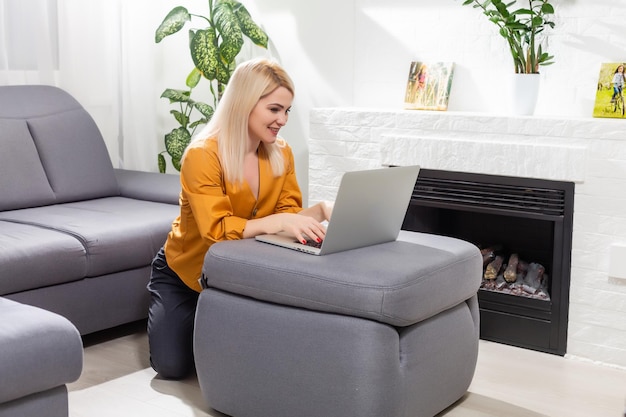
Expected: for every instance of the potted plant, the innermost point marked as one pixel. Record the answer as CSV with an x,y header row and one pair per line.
x,y
213,49
522,29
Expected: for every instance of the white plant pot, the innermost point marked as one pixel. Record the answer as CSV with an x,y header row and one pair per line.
x,y
523,93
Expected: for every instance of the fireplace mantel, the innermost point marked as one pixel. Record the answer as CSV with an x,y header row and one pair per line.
x,y
587,151
534,147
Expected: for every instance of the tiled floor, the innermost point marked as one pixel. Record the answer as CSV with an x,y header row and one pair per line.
x,y
509,382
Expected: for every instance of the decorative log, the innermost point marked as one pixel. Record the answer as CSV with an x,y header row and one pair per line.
x,y
510,273
488,257
489,254
522,267
493,269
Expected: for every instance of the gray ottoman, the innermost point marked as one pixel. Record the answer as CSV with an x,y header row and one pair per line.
x,y
40,352
389,330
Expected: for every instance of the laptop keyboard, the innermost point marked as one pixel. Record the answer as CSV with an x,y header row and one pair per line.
x,y
311,243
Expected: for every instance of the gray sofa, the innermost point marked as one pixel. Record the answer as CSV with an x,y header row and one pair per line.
x,y
76,235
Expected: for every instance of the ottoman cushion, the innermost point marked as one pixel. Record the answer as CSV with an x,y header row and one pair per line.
x,y
435,274
40,350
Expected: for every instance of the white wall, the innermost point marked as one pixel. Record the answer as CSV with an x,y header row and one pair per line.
x,y
314,41
357,53
340,53
392,34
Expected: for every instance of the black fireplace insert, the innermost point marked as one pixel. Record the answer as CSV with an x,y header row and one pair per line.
x,y
503,215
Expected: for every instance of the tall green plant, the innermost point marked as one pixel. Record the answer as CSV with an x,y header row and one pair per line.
x,y
522,29
213,50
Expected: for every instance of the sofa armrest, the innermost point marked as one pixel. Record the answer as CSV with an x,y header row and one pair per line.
x,y
150,186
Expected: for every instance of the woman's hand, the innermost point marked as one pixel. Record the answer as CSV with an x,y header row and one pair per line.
x,y
299,226
303,227
306,224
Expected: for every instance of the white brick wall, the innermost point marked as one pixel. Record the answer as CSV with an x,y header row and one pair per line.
x,y
590,152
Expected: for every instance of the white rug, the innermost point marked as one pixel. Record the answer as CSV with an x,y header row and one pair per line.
x,y
141,394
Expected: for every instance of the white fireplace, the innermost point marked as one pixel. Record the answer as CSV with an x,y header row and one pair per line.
x,y
589,152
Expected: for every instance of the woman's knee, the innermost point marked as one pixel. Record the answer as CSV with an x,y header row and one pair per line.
x,y
172,366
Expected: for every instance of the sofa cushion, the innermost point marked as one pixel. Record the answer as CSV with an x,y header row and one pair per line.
x,y
69,145
74,156
424,275
23,182
117,233
35,257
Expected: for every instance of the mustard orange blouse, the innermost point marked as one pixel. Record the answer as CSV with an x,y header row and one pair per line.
x,y
212,210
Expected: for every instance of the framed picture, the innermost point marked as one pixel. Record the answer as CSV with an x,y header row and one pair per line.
x,y
428,85
609,91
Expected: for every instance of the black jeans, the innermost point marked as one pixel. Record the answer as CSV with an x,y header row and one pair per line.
x,y
170,321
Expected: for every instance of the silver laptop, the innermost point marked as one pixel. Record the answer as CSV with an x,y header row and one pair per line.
x,y
369,209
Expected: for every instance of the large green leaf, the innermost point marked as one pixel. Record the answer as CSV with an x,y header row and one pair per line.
x,y
176,96
180,117
161,163
204,53
516,26
501,8
224,71
537,21
205,109
173,22
227,25
198,123
176,163
248,26
176,141
193,78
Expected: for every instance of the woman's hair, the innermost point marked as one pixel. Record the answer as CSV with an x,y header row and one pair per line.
x,y
251,81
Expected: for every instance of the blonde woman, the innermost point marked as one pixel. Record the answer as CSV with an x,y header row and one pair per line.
x,y
238,180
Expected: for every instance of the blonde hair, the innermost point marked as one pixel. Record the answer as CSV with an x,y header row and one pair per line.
x,y
251,81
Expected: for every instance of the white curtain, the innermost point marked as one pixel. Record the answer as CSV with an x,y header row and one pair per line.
x,y
28,42
103,53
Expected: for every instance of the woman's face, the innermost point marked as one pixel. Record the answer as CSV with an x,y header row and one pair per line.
x,y
268,115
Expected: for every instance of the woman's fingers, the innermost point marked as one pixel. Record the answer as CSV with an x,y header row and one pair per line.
x,y
305,227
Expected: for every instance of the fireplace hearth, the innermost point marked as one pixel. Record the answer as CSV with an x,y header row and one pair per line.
x,y
526,217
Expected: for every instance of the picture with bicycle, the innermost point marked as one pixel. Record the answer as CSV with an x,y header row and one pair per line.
x,y
609,95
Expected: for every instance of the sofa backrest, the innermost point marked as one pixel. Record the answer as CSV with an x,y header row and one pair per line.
x,y
51,150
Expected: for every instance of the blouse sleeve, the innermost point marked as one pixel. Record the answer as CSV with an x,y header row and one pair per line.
x,y
203,186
